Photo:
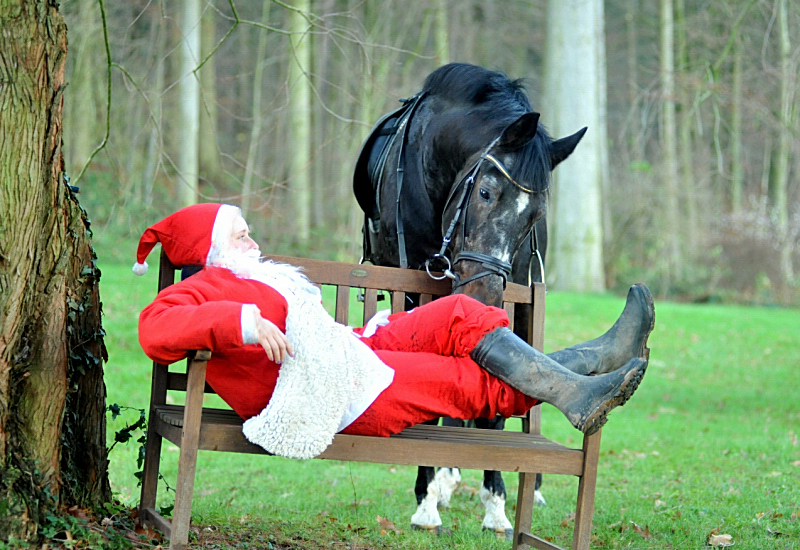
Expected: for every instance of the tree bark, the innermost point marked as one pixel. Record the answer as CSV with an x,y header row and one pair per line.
x,y
573,81
52,397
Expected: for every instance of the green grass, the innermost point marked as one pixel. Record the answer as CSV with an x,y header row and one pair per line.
x,y
710,441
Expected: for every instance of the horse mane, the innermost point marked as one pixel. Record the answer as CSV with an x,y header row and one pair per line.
x,y
493,97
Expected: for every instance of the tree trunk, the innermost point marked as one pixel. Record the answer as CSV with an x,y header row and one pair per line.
x,y
737,160
442,33
573,81
300,184
669,149
188,156
688,186
52,397
210,162
155,141
81,116
255,111
784,145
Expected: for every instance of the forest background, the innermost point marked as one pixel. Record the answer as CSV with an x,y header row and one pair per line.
x,y
699,197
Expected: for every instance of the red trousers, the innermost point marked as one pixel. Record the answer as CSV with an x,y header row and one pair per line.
x,y
434,376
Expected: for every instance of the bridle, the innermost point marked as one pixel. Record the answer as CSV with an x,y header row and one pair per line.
x,y
491,265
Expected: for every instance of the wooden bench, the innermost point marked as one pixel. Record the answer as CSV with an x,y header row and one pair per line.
x,y
193,428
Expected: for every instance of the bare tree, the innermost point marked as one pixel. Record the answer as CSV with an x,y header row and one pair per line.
x,y
574,97
785,118
300,116
188,157
669,142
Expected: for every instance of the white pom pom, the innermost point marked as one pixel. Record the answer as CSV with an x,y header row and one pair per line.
x,y
140,269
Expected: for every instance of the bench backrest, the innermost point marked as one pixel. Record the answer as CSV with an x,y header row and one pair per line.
x,y
372,279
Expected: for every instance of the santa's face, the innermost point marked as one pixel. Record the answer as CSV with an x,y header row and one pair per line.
x,y
240,236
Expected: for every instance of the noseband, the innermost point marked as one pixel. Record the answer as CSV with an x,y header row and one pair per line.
x,y
491,265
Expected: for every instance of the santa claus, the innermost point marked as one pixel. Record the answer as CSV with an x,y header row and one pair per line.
x,y
297,377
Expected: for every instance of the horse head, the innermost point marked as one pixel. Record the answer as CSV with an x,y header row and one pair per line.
x,y
494,202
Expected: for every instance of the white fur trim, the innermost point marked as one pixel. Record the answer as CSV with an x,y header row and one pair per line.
x,y
327,374
495,505
249,326
140,269
538,498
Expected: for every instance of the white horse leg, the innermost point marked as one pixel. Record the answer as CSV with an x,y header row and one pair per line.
x,y
495,518
448,480
426,517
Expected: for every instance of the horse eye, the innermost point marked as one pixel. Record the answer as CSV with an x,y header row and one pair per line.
x,y
484,194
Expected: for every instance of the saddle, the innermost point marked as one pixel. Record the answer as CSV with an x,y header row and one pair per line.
x,y
367,180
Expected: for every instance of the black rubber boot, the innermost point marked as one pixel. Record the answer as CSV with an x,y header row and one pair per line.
x,y
622,342
584,400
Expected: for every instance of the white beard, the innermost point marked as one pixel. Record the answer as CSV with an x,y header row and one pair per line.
x,y
287,279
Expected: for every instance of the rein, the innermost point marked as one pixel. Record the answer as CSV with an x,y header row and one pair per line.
x,y
492,265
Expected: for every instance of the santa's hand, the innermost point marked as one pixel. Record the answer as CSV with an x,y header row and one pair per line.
x,y
274,342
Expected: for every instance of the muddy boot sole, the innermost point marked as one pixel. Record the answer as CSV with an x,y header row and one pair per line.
x,y
598,417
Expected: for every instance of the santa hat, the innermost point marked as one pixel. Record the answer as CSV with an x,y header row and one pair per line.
x,y
191,236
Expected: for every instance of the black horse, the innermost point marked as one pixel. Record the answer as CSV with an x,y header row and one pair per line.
x,y
455,181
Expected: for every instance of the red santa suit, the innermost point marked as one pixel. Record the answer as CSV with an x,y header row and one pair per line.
x,y
427,348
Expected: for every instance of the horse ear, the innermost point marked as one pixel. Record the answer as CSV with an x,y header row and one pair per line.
x,y
519,132
562,148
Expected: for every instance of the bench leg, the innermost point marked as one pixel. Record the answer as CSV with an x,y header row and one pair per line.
x,y
586,488
525,500
152,448
152,460
190,438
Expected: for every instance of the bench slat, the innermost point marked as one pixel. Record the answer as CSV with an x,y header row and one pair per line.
x,y
422,445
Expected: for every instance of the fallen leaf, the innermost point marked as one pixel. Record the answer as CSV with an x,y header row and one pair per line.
x,y
566,521
644,532
387,526
796,463
720,540
80,513
150,534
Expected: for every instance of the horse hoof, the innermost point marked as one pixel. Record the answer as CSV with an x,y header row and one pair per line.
x,y
502,534
432,529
